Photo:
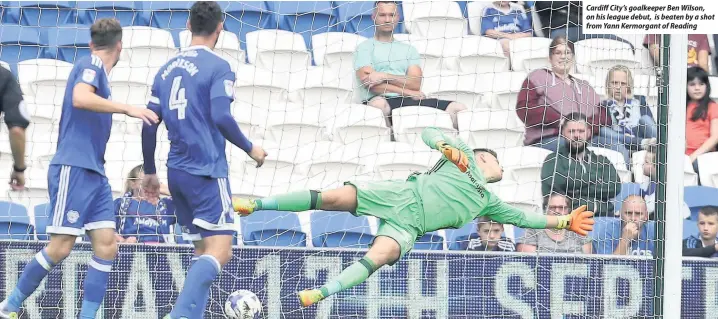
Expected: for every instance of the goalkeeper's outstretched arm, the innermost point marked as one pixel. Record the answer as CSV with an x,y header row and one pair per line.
x,y
454,150
432,136
579,221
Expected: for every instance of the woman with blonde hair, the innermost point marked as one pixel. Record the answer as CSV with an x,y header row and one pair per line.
x,y
632,120
143,217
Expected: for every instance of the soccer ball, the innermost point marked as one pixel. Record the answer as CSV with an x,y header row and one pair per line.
x,y
242,304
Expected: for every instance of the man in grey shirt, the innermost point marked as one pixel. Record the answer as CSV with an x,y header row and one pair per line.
x,y
554,241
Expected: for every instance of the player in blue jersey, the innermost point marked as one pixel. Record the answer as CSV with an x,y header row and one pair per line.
x,y
192,94
79,192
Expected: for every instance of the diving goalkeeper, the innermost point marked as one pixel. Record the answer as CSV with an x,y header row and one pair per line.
x,y
449,195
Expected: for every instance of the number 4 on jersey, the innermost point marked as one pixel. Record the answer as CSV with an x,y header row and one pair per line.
x,y
177,98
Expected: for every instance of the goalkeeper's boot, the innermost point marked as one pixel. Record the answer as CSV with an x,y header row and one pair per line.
x,y
4,314
243,206
309,297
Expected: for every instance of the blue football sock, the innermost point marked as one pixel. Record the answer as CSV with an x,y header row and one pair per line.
x,y
196,287
98,272
199,310
34,272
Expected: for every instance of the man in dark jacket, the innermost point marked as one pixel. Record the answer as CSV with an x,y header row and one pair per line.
x,y
582,175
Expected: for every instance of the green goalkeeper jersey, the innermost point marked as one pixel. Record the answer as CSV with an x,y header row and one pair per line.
x,y
451,199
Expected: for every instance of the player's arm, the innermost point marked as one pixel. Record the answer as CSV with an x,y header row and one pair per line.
x,y
222,94
17,121
453,149
149,139
84,97
579,221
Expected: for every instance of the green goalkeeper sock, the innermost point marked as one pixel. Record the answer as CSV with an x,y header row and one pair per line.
x,y
293,202
353,275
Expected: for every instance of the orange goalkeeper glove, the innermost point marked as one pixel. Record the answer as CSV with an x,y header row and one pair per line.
x,y
454,155
580,221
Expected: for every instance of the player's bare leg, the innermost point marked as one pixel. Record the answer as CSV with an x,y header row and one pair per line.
x,y
340,199
35,271
384,250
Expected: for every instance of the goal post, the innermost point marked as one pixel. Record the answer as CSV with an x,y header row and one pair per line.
x,y
672,143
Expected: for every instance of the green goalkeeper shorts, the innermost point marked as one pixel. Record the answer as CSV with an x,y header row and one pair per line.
x,y
396,205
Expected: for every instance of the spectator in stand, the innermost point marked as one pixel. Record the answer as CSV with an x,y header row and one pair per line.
x,y
549,94
584,176
698,49
706,245
505,21
488,237
554,241
564,18
648,186
701,116
633,124
142,216
632,234
389,70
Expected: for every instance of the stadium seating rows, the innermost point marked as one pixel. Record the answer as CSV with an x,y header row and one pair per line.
x,y
316,106
322,228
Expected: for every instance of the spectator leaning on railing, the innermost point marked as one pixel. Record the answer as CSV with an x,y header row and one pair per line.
x,y
705,244
584,176
142,216
554,241
505,21
549,94
488,237
389,70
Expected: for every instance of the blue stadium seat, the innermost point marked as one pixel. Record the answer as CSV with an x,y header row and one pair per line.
x,y
690,228
169,15
430,241
340,229
626,190
305,17
699,196
42,220
14,222
179,239
68,42
273,228
19,44
455,237
39,13
127,12
355,17
518,232
247,16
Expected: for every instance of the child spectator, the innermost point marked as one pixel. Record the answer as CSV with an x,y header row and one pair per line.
x,y
706,245
649,186
555,241
487,238
142,216
505,21
701,116
633,124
